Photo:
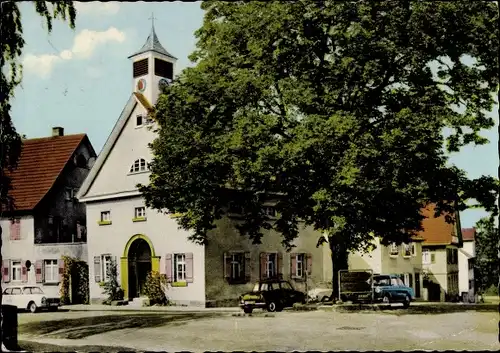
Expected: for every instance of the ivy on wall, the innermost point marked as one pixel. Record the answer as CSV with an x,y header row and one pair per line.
x,y
75,270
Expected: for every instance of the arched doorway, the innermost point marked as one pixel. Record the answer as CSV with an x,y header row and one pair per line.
x,y
139,265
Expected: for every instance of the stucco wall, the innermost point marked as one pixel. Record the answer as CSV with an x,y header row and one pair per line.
x,y
114,175
226,238
464,274
159,228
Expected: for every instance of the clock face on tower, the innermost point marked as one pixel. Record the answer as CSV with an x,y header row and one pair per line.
x,y
163,83
141,85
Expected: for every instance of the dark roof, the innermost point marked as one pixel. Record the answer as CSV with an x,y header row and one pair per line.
x,y
153,44
436,230
468,234
41,162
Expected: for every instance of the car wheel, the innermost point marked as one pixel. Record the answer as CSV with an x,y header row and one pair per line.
x,y
386,300
32,307
247,310
407,301
271,307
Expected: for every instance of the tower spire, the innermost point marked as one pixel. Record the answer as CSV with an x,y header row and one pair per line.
x,y
152,18
152,42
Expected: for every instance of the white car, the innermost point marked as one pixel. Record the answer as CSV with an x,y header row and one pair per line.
x,y
320,294
30,298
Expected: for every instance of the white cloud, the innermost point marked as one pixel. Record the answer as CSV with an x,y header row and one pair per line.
x,y
83,47
97,8
86,41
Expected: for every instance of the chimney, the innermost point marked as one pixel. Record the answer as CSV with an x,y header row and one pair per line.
x,y
57,131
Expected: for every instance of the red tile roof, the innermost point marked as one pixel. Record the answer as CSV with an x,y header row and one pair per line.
x,y
436,230
468,234
41,162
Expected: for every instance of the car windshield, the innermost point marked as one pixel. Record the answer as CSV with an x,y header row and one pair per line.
x,y
32,290
381,281
286,285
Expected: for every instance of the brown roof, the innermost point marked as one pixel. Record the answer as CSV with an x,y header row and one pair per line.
x,y
436,230
41,162
468,234
143,100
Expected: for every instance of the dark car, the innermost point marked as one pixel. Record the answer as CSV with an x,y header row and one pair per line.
x,y
391,289
273,295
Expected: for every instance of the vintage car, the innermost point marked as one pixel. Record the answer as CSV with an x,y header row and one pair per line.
x,y
273,295
391,289
30,298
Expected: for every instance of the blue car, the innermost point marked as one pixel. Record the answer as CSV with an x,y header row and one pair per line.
x,y
391,289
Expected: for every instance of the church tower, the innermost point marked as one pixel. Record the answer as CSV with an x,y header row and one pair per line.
x,y
153,67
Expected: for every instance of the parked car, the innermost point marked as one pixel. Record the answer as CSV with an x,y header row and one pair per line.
x,y
320,294
391,289
273,295
30,298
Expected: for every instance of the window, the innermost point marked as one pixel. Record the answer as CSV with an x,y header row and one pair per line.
x,y
106,216
271,265
299,265
69,194
16,270
237,267
51,271
471,284
413,249
33,290
399,282
286,285
16,291
140,68
426,257
394,249
471,264
164,68
106,267
180,267
15,229
139,165
406,250
270,211
138,120
381,281
140,212
394,281
433,258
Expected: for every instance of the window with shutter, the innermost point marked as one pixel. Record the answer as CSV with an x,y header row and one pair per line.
x,y
15,229
6,270
51,271
16,271
168,267
189,267
39,271
235,267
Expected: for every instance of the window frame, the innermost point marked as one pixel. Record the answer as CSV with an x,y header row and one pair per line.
x,y
426,257
271,259
237,259
140,208
54,267
406,250
180,259
140,165
301,259
13,267
393,250
106,260
104,213
137,117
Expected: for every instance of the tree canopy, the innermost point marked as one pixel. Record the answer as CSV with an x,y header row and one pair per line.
x,y
333,110
487,254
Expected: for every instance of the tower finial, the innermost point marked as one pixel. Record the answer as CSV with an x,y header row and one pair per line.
x,y
152,18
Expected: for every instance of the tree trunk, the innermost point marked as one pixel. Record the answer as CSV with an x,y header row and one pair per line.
x,y
339,262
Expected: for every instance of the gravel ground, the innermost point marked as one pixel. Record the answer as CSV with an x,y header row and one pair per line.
x,y
284,331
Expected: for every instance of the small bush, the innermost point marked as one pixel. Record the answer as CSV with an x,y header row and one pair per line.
x,y
111,287
492,290
155,288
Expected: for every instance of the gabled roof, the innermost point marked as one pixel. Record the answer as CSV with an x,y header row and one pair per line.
x,y
42,161
436,230
468,234
153,44
108,146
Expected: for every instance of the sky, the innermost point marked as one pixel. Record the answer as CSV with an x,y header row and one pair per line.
x,y
81,79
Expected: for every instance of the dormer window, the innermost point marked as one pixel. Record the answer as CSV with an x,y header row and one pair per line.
x,y
139,165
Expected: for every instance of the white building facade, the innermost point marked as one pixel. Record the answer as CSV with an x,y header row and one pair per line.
x,y
120,227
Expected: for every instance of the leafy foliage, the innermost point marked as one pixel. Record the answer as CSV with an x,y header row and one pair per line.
x,y
111,287
155,287
331,109
487,254
75,269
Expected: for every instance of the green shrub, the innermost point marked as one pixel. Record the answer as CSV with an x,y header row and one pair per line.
x,y
111,287
155,287
492,290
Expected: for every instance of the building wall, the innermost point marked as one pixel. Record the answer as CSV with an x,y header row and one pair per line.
x,y
55,205
371,260
437,271
132,144
25,249
162,231
225,238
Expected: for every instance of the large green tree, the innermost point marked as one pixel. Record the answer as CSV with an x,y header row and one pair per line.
x,y
332,110
487,254
12,44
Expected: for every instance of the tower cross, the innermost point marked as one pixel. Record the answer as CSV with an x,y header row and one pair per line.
x,y
152,18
